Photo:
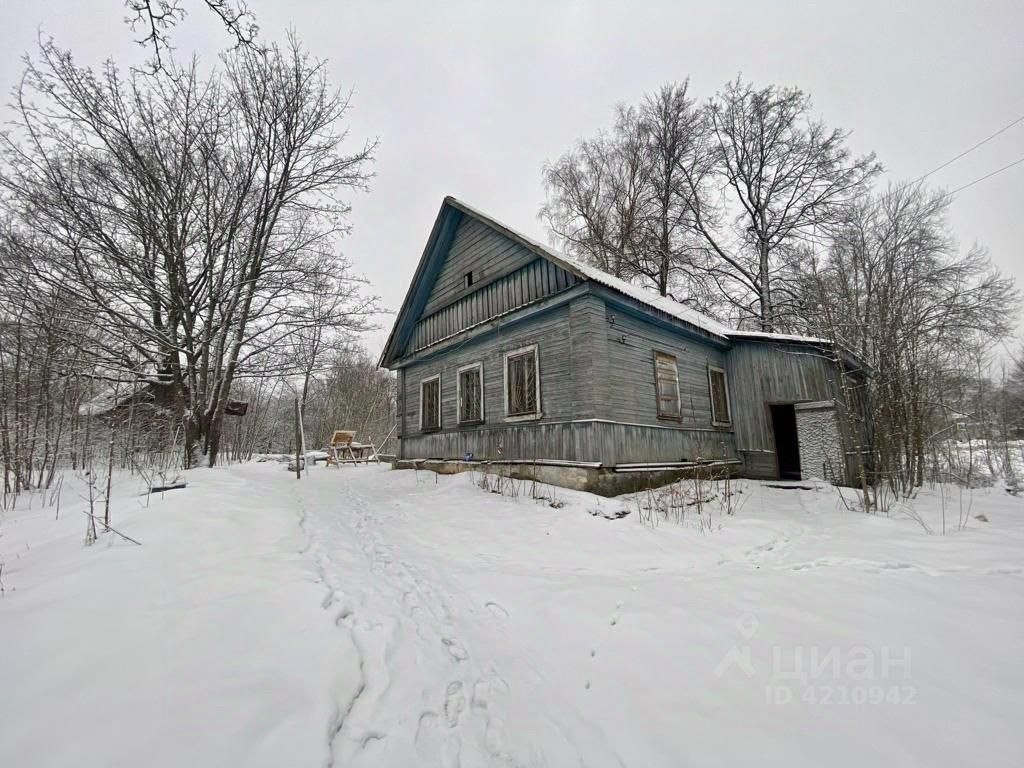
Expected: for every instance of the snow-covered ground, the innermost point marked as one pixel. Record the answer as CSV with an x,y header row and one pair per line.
x,y
979,462
364,617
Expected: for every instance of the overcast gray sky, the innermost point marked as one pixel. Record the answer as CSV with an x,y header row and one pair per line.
x,y
470,98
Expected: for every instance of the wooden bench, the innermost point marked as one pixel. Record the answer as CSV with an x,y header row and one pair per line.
x,y
343,449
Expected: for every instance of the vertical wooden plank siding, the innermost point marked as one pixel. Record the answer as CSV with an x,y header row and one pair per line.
x,y
400,429
582,441
476,247
517,289
589,358
598,391
549,330
764,372
632,344
578,398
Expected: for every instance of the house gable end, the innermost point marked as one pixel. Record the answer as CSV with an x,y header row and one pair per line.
x,y
416,297
475,269
471,271
478,255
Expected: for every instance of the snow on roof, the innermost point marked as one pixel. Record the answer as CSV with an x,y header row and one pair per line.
x,y
767,336
645,296
662,303
114,395
105,401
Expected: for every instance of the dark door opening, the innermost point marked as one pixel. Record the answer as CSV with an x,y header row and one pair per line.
x,y
787,449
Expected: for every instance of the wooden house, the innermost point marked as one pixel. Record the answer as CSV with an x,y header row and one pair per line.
x,y
510,353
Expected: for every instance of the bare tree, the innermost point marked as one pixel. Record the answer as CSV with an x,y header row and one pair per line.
x,y
788,176
156,18
198,215
896,291
1012,397
46,354
345,391
620,201
711,205
596,195
674,132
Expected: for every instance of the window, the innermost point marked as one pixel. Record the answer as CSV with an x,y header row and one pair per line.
x,y
522,384
470,387
430,404
666,381
719,397
469,278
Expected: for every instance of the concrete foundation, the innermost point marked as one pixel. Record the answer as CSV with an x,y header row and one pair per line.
x,y
593,478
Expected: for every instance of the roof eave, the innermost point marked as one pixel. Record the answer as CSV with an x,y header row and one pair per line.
x,y
390,354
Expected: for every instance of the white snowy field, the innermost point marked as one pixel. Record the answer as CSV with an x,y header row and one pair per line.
x,y
366,617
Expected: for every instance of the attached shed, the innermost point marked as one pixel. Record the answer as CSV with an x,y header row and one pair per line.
x,y
507,351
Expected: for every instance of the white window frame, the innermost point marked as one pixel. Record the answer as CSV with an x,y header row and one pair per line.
x,y
657,391
711,396
536,379
458,393
423,382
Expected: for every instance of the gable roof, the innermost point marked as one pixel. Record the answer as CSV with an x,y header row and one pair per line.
x,y
588,272
447,220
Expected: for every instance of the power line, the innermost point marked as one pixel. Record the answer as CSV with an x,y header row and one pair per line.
x,y
986,176
968,151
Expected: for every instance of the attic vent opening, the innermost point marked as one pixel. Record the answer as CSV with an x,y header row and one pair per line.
x,y
469,278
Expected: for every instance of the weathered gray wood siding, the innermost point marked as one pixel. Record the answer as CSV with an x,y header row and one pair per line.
x,y
558,441
632,344
642,443
597,394
549,331
539,278
400,427
590,441
477,247
761,373
588,358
